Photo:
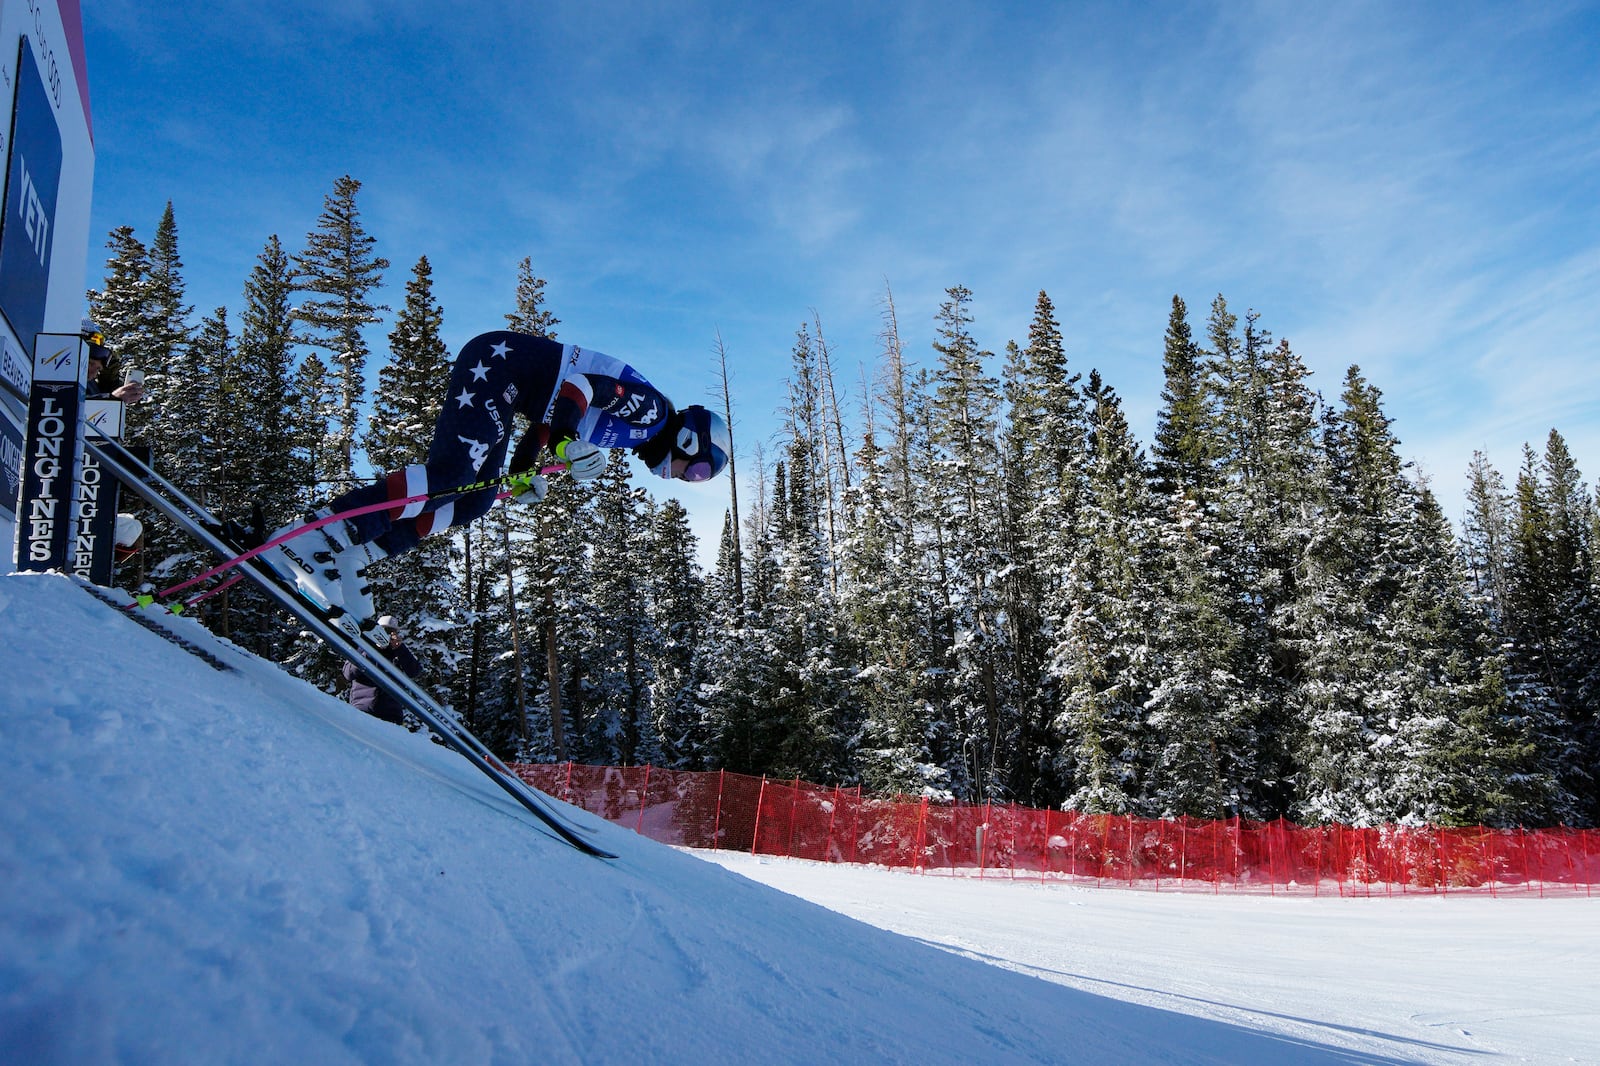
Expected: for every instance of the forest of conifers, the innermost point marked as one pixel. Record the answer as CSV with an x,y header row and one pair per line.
x,y
974,582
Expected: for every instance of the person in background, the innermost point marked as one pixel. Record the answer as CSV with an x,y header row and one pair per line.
x,y
128,540
365,694
130,391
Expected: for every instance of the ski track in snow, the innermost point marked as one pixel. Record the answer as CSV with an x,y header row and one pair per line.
x,y
230,867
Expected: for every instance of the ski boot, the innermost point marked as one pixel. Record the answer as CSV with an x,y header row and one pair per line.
x,y
306,560
351,563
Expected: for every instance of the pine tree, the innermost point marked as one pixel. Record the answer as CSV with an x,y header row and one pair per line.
x,y
741,662
261,460
142,312
1044,455
1183,458
126,311
339,268
535,563
209,436
887,597
1486,537
964,426
1350,695
420,588
1462,754
123,308
1101,631
677,604
1550,617
168,365
1198,718
619,643
531,315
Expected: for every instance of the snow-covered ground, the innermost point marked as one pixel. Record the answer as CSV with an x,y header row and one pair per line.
x,y
227,866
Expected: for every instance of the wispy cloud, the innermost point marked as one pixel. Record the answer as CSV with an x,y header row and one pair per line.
x,y
1406,187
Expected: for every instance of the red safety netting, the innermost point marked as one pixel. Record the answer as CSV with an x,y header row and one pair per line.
x,y
800,820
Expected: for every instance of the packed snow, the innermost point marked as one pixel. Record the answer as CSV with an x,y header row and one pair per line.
x,y
204,865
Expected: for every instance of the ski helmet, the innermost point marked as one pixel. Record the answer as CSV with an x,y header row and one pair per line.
x,y
700,438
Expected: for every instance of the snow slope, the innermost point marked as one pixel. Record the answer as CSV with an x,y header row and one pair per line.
x,y
209,866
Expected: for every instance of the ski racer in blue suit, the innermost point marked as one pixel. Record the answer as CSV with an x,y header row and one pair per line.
x,y
579,402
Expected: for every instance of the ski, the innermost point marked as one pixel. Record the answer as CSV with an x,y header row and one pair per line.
x,y
159,630
338,632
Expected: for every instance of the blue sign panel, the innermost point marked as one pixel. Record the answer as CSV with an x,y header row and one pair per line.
x,y
31,186
10,462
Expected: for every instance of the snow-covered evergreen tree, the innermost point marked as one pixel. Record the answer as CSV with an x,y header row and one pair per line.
x,y
1550,616
1462,753
420,588
340,272
261,455
964,426
1350,697
677,606
1102,633
1044,478
619,643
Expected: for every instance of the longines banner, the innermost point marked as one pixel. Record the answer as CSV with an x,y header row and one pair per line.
x,y
46,510
94,550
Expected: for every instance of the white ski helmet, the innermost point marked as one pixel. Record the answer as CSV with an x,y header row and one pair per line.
x,y
700,439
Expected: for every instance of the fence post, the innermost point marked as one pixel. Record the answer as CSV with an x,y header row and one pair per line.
x,y
716,822
1183,849
833,816
755,837
922,828
1238,847
983,832
1131,851
855,829
566,787
1272,866
643,795
794,804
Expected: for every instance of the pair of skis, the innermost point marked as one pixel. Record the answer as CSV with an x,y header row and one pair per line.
x,y
203,527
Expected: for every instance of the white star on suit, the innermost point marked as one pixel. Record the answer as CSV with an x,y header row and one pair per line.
x,y
480,372
465,399
501,349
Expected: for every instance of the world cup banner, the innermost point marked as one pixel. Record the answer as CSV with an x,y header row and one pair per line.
x,y
47,506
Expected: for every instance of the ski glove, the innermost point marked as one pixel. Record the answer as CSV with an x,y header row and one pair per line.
x,y
584,461
528,488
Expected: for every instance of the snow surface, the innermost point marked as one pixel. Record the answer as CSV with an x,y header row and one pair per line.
x,y
205,866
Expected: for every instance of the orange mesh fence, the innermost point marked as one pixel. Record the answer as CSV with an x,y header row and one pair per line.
x,y
793,818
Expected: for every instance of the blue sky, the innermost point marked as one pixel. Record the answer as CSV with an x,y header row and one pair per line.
x,y
1414,188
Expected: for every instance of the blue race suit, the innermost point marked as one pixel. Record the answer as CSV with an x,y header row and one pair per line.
x,y
566,392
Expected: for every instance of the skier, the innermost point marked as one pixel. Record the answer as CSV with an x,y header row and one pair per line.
x,y
579,402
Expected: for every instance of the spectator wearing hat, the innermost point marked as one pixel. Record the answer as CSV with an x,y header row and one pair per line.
x,y
365,694
130,391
